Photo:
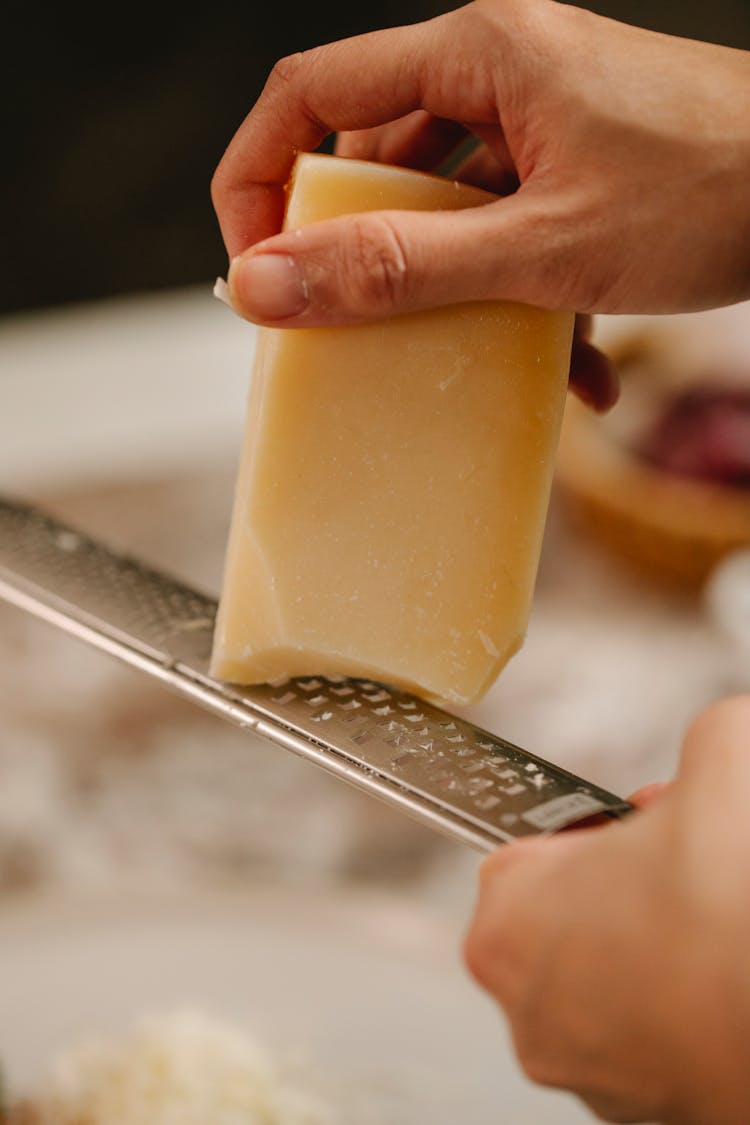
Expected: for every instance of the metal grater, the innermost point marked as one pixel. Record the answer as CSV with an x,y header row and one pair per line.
x,y
437,767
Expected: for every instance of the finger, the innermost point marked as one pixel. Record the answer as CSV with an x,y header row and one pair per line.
x,y
713,777
514,884
642,799
500,861
419,140
353,84
423,141
593,376
718,740
649,795
383,263
360,144
488,945
490,165
584,328
620,1109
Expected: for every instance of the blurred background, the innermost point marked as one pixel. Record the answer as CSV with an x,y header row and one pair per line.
x,y
122,395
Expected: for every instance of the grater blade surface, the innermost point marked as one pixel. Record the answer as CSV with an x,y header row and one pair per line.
x,y
438,767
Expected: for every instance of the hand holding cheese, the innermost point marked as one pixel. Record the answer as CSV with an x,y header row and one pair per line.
x,y
631,149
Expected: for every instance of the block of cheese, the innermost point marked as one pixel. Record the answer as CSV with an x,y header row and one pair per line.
x,y
395,477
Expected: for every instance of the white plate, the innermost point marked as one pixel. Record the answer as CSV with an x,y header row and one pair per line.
x,y
369,989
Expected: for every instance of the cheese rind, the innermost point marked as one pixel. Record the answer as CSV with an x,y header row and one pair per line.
x,y
395,477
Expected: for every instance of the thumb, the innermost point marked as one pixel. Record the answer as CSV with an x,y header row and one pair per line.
x,y
381,263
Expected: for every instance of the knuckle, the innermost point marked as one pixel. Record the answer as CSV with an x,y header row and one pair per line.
x,y
286,69
218,185
539,1068
477,954
541,1056
491,955
376,275
292,77
494,950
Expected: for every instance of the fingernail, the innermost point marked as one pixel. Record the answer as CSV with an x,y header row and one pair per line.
x,y
268,286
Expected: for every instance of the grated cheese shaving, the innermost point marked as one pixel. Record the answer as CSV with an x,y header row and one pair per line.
x,y
178,1069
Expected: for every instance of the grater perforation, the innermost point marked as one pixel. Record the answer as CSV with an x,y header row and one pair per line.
x,y
440,768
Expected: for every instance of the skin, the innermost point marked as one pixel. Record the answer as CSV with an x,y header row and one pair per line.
x,y
632,152
619,955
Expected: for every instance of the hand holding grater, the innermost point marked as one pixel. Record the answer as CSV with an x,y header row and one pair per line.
x,y
439,768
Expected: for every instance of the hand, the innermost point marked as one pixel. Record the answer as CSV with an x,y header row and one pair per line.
x,y
620,954
632,151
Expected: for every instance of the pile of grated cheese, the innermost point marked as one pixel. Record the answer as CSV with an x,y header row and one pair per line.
x,y
177,1069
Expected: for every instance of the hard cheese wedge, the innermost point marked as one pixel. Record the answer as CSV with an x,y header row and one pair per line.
x,y
394,478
